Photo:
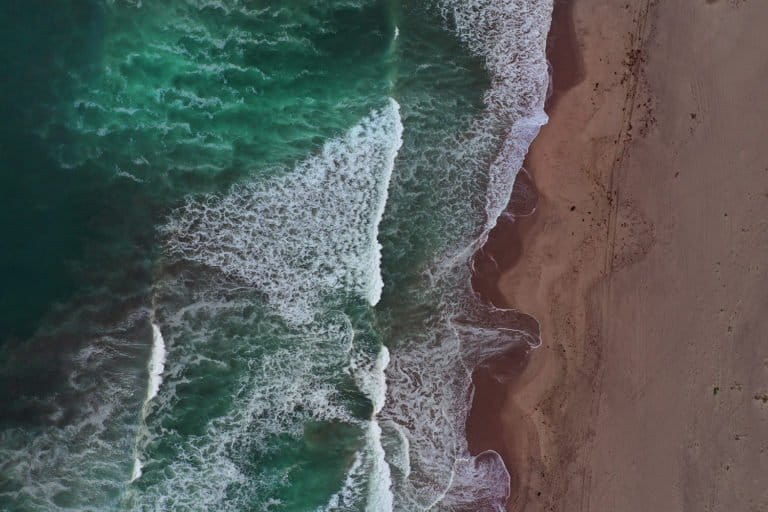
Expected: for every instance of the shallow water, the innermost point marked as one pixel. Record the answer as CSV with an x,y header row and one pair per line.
x,y
236,244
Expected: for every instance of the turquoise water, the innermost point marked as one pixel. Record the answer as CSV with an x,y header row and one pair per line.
x,y
236,249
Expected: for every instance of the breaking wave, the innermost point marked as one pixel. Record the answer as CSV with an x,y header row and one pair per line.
x,y
302,236
272,384
283,259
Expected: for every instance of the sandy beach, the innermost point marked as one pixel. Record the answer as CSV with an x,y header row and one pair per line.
x,y
645,264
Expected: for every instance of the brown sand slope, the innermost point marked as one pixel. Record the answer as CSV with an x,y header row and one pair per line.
x,y
646,265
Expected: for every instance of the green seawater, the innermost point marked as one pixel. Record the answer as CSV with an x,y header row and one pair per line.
x,y
235,239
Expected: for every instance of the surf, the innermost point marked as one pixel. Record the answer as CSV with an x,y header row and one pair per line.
x,y
313,180
155,368
294,250
429,378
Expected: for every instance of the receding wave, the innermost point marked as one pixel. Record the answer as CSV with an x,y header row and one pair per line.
x,y
429,377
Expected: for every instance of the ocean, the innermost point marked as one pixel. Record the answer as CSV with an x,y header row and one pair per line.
x,y
237,249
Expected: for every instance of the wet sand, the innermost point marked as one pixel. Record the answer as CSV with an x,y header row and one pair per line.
x,y
645,264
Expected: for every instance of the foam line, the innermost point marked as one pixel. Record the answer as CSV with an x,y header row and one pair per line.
x,y
156,364
155,367
380,498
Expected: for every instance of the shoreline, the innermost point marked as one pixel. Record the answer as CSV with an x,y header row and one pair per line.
x,y
503,252
642,267
547,264
548,408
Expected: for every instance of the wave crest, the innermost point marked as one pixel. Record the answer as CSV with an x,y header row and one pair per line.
x,y
299,237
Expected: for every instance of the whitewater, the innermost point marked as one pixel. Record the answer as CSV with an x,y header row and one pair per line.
x,y
285,319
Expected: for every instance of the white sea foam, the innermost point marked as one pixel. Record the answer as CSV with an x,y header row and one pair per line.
x,y
430,390
510,36
297,239
156,364
374,384
302,236
350,492
370,464
136,472
155,368
276,395
380,498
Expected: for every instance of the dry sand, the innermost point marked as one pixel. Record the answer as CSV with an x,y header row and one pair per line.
x,y
645,264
